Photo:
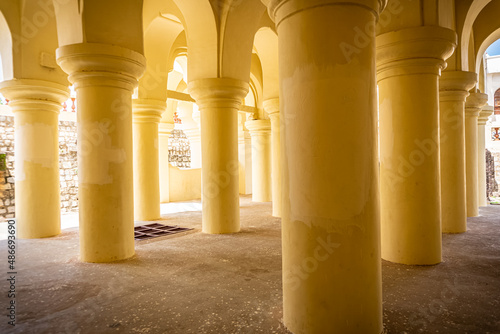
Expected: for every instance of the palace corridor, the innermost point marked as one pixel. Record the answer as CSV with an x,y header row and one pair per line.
x,y
343,156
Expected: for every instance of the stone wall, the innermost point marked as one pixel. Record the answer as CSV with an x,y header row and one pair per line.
x,y
496,156
7,200
491,182
67,165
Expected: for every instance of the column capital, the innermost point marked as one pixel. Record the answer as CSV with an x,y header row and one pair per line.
x,y
457,80
484,114
94,64
218,92
272,106
421,50
147,110
29,94
258,127
165,129
280,10
474,103
455,85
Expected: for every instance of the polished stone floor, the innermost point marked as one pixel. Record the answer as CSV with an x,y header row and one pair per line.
x,y
198,283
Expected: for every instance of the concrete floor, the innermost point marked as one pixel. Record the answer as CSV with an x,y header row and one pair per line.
x,y
198,283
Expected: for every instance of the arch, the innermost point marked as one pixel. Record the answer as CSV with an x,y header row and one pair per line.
x,y
486,30
6,56
475,8
266,46
159,36
202,38
243,21
484,45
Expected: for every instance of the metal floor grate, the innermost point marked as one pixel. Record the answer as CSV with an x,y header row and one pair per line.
x,y
156,230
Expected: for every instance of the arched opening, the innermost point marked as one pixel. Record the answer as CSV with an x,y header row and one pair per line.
x,y
475,8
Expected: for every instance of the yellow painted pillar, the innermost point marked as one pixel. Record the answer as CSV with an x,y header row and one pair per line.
x,y
104,77
260,132
146,117
165,129
272,108
330,200
454,87
36,105
409,62
194,136
244,155
219,100
485,113
473,106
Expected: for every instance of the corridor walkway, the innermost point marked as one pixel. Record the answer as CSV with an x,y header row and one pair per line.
x,y
199,283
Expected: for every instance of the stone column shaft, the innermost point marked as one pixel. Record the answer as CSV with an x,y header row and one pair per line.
x,y
146,117
272,109
36,105
454,88
408,68
104,77
165,129
260,132
194,136
473,106
330,203
219,100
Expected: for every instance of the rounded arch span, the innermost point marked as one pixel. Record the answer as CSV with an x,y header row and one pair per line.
x,y
159,38
484,45
475,8
201,38
266,47
6,56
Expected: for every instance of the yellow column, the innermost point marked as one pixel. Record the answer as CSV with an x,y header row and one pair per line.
x,y
146,116
244,155
473,106
104,77
165,129
272,108
36,105
260,132
409,62
454,87
330,199
219,100
194,136
485,113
